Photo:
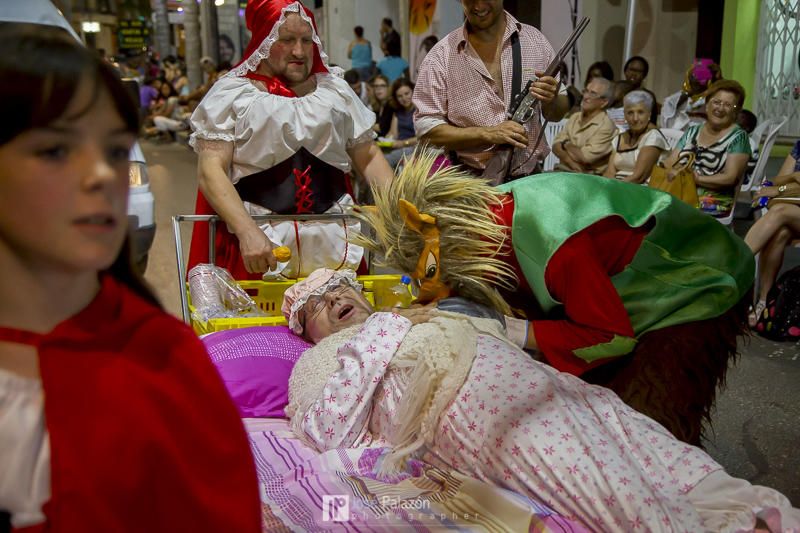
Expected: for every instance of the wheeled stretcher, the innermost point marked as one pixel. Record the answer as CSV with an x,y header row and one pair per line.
x,y
266,294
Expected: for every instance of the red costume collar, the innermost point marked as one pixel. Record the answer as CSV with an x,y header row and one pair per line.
x,y
276,85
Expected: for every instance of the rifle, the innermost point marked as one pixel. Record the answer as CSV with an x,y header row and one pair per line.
x,y
525,105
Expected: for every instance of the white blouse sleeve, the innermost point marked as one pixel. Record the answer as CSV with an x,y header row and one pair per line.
x,y
360,118
24,450
655,138
215,118
340,416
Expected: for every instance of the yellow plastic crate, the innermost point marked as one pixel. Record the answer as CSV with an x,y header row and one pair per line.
x,y
268,295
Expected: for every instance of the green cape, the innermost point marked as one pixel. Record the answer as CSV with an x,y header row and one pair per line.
x,y
689,267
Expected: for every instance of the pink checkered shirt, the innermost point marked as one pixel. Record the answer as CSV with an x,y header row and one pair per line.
x,y
454,87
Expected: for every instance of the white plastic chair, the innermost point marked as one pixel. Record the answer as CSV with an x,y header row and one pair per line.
x,y
772,127
758,133
550,131
727,220
673,136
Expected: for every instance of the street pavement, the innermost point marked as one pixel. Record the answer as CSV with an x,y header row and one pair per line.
x,y
756,426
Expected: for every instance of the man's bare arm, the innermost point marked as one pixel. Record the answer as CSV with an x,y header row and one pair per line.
x,y
455,138
213,166
369,161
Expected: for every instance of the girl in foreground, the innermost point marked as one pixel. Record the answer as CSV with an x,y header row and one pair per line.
x,y
112,417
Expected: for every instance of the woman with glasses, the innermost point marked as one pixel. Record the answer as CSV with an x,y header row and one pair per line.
x,y
721,148
455,392
380,104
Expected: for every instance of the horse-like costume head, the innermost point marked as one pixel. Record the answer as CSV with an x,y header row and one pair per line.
x,y
435,223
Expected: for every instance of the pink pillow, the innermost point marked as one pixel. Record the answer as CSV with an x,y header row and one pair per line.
x,y
255,364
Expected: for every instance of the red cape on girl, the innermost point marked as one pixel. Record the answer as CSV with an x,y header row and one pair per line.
x,y
143,434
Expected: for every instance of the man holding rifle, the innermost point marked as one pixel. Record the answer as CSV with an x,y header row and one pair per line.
x,y
465,88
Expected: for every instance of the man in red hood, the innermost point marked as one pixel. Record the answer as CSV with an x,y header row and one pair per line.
x,y
279,134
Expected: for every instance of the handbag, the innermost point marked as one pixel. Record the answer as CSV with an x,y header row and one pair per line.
x,y
682,186
780,320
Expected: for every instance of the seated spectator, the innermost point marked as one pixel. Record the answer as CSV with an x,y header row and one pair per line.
x,y
401,132
226,49
771,233
455,391
174,74
359,51
147,93
635,71
600,69
167,116
720,146
393,66
381,104
748,121
424,47
615,109
687,106
211,74
636,151
585,142
353,79
159,102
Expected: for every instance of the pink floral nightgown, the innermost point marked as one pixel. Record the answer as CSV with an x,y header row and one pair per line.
x,y
527,427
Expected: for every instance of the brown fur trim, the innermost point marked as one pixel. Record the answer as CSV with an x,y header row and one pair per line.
x,y
674,373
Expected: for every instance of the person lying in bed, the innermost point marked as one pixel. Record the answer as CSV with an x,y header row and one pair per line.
x,y
482,406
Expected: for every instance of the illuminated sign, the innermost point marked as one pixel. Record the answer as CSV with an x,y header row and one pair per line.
x,y
133,34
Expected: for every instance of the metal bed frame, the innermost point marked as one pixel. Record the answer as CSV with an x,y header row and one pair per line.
x,y
212,235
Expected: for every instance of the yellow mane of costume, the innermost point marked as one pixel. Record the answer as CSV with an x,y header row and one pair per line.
x,y
470,237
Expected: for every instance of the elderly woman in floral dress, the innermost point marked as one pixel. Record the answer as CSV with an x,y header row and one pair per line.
x,y
484,407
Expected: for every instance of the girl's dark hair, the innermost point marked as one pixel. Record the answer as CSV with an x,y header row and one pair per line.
x,y
47,66
641,60
359,31
428,43
399,82
605,70
42,69
172,91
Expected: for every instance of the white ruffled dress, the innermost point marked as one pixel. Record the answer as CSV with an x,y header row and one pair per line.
x,y
267,129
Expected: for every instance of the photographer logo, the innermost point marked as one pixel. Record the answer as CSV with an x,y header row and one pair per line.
x,y
336,508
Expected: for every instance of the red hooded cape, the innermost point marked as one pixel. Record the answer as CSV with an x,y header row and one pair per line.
x,y
143,434
261,16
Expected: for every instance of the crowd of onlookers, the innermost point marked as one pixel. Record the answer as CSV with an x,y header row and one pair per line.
x,y
615,128
618,129
385,86
165,96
